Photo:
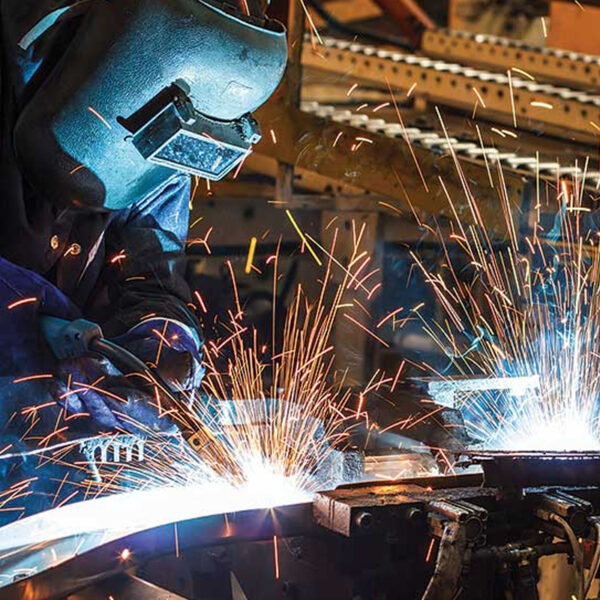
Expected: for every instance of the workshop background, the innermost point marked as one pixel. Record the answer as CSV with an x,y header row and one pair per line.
x,y
409,142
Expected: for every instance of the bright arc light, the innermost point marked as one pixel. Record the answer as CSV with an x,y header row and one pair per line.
x,y
560,433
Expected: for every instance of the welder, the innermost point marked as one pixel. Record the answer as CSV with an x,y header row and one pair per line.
x,y
108,110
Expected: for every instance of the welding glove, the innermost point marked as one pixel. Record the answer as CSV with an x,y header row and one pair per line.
x,y
88,387
169,346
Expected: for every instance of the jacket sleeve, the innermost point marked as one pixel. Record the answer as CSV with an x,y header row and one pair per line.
x,y
149,302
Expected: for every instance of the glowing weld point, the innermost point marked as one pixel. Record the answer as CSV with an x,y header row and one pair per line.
x,y
125,554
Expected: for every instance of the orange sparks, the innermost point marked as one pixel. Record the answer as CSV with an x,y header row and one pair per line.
x,y
200,301
479,97
125,554
390,316
349,92
273,137
540,104
21,302
366,330
430,550
118,257
73,171
32,377
99,116
276,556
380,106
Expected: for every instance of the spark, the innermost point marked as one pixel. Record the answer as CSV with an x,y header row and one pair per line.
x,y
99,116
479,97
21,302
118,257
530,308
273,137
351,89
276,556
250,258
33,377
524,73
512,98
411,89
77,168
302,236
430,550
540,104
200,301
367,330
380,106
337,138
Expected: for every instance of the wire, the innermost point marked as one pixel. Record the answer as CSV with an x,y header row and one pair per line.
x,y
595,561
577,553
365,34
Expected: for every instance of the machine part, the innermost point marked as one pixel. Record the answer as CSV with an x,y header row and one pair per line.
x,y
444,391
515,553
552,64
472,517
111,448
557,502
343,510
518,470
227,62
449,564
439,81
436,142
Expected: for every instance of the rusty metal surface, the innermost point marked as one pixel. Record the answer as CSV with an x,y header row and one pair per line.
x,y
552,64
532,469
369,508
558,110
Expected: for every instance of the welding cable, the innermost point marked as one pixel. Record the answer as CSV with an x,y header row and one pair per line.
x,y
127,361
365,34
577,553
595,564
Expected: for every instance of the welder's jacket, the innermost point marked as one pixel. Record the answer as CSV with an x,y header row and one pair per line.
x,y
116,266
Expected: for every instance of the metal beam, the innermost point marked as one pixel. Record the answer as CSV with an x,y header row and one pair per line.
x,y
106,561
387,165
560,111
551,64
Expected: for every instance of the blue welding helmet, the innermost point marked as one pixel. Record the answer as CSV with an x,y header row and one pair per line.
x,y
147,88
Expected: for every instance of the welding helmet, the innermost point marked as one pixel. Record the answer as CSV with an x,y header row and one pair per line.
x,y
147,88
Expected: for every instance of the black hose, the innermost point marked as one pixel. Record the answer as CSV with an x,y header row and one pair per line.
x,y
127,361
364,34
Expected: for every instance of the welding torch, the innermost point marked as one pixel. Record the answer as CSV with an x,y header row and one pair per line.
x,y
72,339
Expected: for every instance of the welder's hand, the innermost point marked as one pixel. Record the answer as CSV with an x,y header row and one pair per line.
x,y
169,346
89,387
